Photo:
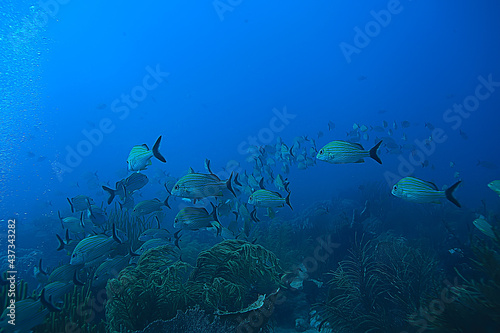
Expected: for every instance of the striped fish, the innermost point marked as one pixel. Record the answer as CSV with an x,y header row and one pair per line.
x,y
97,215
339,152
149,206
109,269
80,203
127,186
56,290
71,223
495,186
199,186
151,244
266,198
139,157
194,218
421,191
29,313
63,273
154,233
91,250
484,226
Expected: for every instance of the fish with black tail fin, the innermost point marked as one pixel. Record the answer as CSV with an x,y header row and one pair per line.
x,y
421,191
340,152
80,203
266,198
149,206
195,218
198,186
127,186
139,157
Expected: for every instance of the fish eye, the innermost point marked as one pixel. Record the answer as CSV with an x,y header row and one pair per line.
x,y
176,187
321,151
395,188
251,198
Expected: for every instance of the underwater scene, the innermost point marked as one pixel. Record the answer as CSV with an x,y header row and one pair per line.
x,y
249,166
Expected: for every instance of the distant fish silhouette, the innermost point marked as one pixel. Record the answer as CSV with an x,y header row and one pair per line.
x,y
487,165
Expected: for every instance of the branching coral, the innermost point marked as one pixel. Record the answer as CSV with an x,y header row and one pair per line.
x,y
476,302
378,286
147,292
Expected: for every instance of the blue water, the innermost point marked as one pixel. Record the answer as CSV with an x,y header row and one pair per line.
x,y
65,67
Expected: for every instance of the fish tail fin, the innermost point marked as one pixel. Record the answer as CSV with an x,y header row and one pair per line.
x,y
76,281
236,180
132,253
111,192
287,200
166,204
40,267
449,194
253,215
61,243
373,152
214,213
216,223
48,303
166,188
217,226
60,219
115,236
229,185
156,151
71,205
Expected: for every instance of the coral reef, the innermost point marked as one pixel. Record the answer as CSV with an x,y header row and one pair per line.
x,y
230,279
474,304
378,287
150,291
234,273
193,320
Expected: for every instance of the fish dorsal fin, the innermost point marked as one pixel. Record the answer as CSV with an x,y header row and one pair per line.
x,y
358,145
207,166
277,193
434,186
191,170
145,146
430,184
